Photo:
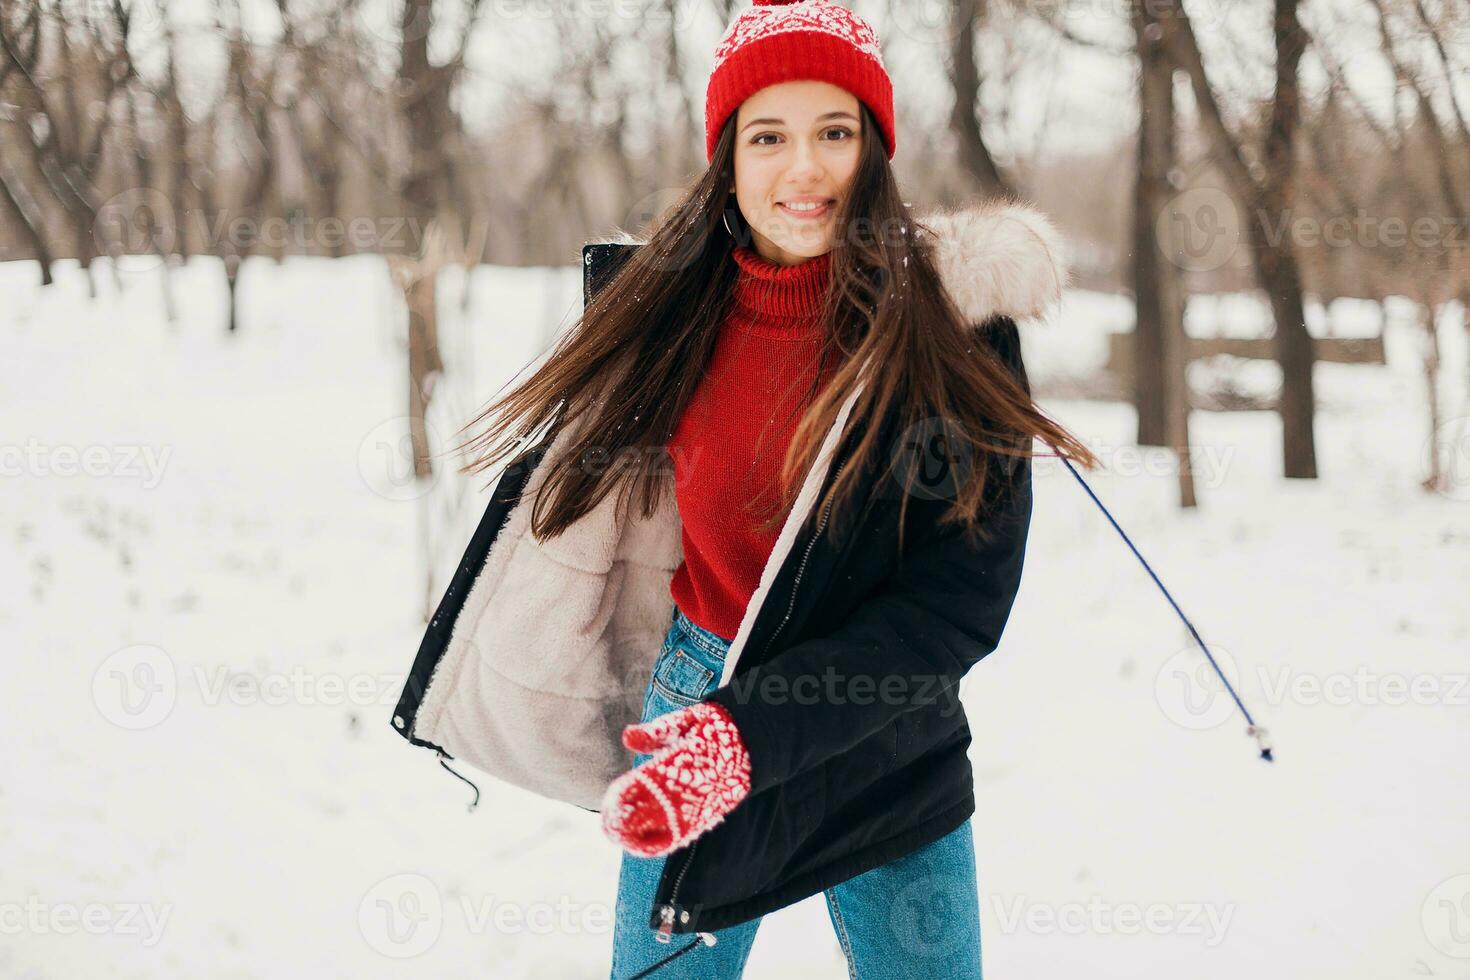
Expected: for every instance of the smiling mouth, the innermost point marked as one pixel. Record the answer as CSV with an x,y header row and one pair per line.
x,y
808,209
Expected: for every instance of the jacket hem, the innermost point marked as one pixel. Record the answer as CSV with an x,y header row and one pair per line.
x,y
717,917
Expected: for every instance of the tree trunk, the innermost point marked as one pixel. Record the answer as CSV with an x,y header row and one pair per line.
x,y
1281,271
17,202
975,157
232,279
1176,391
1150,192
425,105
1280,276
422,369
1431,361
1161,384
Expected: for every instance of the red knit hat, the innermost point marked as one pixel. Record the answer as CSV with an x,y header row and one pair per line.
x,y
782,41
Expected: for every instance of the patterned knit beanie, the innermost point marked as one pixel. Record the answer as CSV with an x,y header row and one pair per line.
x,y
782,41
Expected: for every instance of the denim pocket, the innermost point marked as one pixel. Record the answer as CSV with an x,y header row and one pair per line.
x,y
680,677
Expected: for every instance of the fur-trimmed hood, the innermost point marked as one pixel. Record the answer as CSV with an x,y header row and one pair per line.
x,y
1001,257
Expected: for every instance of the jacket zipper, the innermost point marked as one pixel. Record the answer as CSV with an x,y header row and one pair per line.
x,y
667,911
801,569
666,922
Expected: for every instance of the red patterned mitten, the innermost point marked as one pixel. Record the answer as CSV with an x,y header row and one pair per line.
x,y
699,772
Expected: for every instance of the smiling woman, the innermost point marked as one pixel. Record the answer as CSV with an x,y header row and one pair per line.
x,y
790,334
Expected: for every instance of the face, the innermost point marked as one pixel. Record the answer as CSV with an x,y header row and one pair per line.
x,y
796,150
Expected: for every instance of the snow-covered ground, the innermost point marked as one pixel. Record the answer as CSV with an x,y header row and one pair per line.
x,y
213,583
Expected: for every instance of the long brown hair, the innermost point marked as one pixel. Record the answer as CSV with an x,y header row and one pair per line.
x,y
628,367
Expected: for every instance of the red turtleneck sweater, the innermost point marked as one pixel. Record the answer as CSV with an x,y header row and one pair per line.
x,y
728,446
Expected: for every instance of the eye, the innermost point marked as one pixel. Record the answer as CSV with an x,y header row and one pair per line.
x,y
842,131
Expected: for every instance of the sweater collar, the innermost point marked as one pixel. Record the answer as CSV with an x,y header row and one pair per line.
x,y
770,291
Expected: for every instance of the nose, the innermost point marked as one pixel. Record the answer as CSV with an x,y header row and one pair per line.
x,y
807,165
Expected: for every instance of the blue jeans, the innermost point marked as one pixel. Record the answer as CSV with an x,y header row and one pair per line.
x,y
917,916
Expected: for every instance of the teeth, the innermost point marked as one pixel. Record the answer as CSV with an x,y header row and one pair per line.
x,y
808,206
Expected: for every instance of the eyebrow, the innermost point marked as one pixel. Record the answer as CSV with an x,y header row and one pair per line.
x,y
772,121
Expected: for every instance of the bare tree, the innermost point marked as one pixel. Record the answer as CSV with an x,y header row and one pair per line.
x,y
1444,190
424,90
152,228
313,105
1266,184
1426,148
966,80
16,201
65,142
250,80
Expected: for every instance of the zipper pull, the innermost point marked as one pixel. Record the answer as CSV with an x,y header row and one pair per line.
x,y
474,803
665,932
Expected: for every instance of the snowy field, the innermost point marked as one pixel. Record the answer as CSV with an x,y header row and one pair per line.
x,y
214,580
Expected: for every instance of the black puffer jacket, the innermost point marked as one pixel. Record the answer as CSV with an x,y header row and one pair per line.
x,y
844,681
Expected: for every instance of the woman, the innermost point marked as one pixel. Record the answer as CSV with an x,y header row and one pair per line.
x,y
840,391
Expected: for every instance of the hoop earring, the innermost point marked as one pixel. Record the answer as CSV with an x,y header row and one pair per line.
x,y
726,219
